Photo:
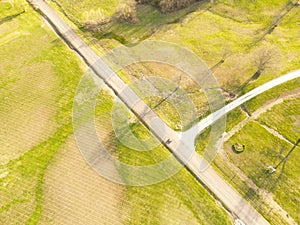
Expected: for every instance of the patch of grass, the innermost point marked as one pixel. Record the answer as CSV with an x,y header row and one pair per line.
x,y
149,20
174,96
249,11
38,79
180,198
202,140
22,188
284,118
262,150
234,117
249,193
89,10
273,93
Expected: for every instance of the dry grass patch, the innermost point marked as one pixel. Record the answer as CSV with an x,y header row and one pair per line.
x,y
28,106
75,194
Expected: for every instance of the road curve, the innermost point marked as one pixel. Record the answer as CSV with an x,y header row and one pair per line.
x,y
233,201
209,120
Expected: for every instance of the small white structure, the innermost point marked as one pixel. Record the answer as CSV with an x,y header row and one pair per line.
x,y
271,169
239,222
179,126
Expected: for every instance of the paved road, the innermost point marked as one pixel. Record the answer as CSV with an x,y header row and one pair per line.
x,y
209,120
220,189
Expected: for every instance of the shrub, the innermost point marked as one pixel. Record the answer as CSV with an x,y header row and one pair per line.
x,y
167,6
238,148
127,12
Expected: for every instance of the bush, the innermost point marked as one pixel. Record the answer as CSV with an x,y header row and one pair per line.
x,y
167,6
127,12
238,148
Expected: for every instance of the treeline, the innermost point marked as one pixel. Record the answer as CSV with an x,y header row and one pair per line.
x,y
127,10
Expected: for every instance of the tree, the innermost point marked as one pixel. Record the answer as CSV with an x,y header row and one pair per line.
x,y
264,58
127,12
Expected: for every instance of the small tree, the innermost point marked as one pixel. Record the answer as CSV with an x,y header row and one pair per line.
x,y
127,12
265,58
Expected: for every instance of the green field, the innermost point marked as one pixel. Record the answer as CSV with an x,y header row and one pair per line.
x,y
232,31
262,150
38,77
284,118
43,177
88,11
219,32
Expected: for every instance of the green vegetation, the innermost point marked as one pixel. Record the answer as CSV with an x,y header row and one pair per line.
x,y
284,118
90,11
262,150
238,148
179,199
37,89
234,117
38,79
273,93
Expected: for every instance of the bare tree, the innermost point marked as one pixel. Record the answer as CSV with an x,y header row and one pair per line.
x,y
225,53
127,12
264,58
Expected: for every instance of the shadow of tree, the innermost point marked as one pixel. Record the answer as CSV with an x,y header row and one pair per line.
x,y
8,18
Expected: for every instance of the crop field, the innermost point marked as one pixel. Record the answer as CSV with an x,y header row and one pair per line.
x,y
43,177
35,108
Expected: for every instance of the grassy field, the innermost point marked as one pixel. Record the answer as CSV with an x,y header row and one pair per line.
x,y
262,150
273,93
38,77
227,37
43,177
178,200
234,31
90,11
284,118
174,110
73,193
